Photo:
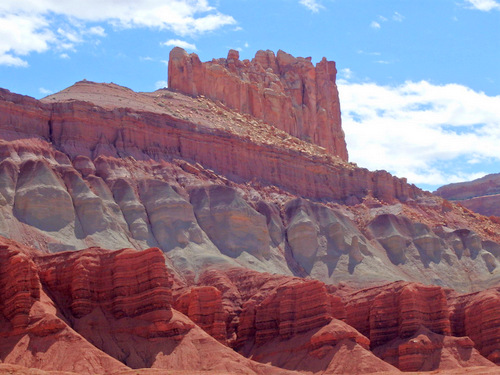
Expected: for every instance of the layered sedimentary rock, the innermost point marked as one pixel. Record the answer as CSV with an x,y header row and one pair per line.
x,y
287,92
203,219
291,323
213,198
19,287
477,316
428,351
81,129
481,195
31,330
398,310
125,283
97,311
203,305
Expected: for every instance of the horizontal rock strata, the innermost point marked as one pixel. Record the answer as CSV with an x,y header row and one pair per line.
x,y
289,93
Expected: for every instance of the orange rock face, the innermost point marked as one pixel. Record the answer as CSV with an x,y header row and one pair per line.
x,y
203,305
398,310
124,283
82,129
481,195
287,92
478,316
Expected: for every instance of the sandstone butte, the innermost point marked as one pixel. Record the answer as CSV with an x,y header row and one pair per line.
x,y
217,227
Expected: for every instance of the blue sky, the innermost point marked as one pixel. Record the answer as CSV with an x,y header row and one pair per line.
x,y
419,80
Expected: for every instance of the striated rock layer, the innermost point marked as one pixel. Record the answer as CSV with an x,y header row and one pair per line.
x,y
154,131
287,92
255,242
481,195
99,311
95,311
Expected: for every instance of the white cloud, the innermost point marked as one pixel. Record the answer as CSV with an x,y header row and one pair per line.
x,y
39,25
375,25
484,5
345,73
20,35
161,84
398,17
179,43
97,30
45,91
312,5
428,133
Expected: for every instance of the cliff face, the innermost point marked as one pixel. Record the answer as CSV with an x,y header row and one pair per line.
x,y
125,177
219,139
481,195
243,239
287,92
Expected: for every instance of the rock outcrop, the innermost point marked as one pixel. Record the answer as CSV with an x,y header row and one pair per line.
x,y
477,316
90,129
481,195
203,305
231,235
97,311
287,92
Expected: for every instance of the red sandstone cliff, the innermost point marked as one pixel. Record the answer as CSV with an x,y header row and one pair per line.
x,y
287,92
481,195
216,190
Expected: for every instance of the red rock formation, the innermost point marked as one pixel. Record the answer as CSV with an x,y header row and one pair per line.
x,y
19,287
203,305
293,308
336,348
477,315
487,185
32,334
481,195
287,92
116,306
427,351
125,283
82,129
398,310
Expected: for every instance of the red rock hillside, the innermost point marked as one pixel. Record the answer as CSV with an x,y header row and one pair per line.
x,y
223,231
287,92
481,195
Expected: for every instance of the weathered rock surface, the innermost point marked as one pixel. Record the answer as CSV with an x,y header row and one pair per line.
x,y
481,195
32,332
96,311
477,316
154,128
269,244
203,305
428,351
287,92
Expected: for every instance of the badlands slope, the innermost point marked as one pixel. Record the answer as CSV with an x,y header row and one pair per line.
x,y
239,237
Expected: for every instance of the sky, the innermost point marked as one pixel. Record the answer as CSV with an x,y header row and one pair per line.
x,y
419,80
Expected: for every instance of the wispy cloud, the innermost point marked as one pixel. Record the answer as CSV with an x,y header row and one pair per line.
x,y
161,84
375,25
312,5
179,43
45,91
484,5
429,133
398,17
37,26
